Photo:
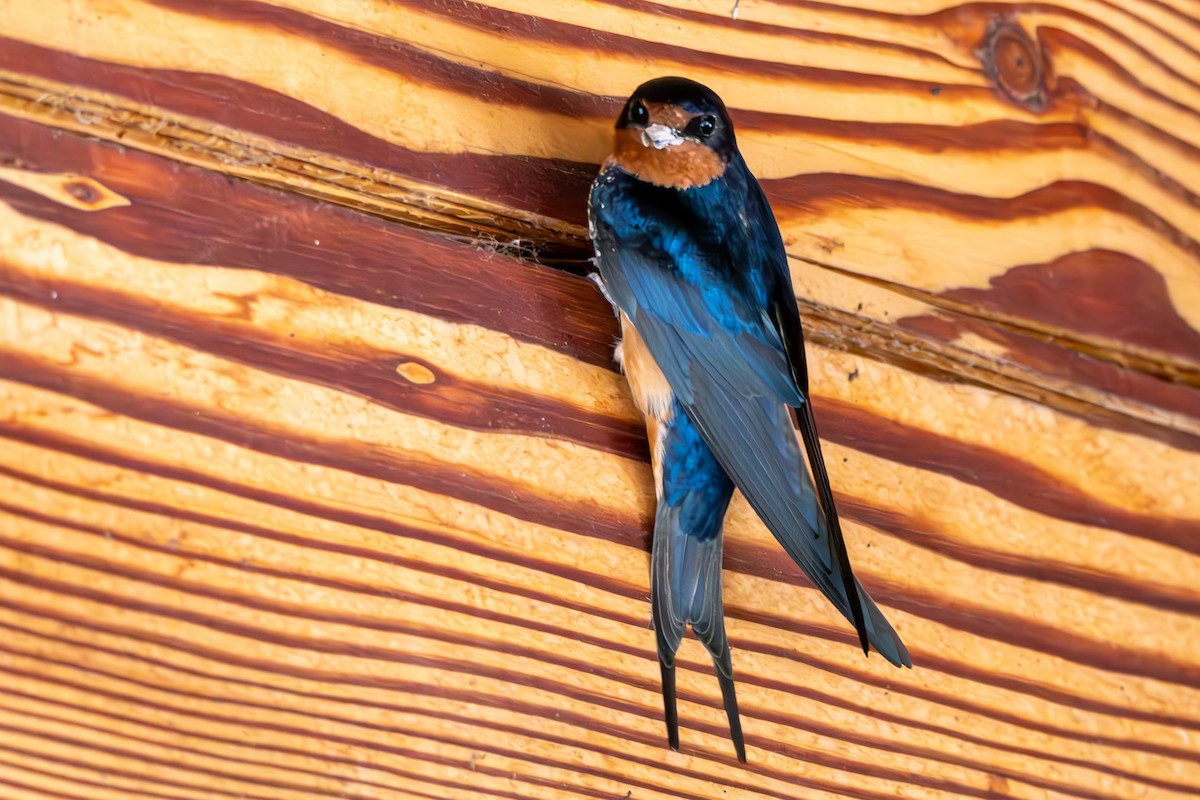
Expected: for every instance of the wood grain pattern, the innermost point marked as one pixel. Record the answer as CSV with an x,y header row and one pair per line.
x,y
301,503
925,156
244,554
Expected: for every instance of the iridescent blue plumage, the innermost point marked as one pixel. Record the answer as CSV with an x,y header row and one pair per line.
x,y
692,258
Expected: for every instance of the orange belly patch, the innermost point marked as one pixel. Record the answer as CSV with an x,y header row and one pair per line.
x,y
651,392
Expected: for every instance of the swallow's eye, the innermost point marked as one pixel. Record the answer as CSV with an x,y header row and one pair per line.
x,y
705,125
638,113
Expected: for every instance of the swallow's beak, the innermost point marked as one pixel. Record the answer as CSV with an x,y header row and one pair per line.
x,y
659,136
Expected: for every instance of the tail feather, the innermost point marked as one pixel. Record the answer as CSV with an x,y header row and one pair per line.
x,y
686,589
729,698
723,661
670,712
837,545
669,625
685,579
883,636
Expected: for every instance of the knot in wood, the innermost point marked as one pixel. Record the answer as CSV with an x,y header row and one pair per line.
x,y
416,373
82,191
1014,63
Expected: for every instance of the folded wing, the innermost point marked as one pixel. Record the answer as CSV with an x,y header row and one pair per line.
x,y
729,368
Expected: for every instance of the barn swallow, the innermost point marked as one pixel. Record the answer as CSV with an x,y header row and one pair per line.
x,y
691,257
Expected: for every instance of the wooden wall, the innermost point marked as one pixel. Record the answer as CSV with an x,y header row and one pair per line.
x,y
313,484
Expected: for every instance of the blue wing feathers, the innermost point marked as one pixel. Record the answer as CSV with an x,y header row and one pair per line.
x,y
696,289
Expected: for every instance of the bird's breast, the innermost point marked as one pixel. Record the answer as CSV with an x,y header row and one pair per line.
x,y
651,392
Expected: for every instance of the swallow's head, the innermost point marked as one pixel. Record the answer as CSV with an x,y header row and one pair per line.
x,y
674,132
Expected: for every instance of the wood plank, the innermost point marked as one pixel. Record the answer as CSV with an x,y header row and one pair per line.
x,y
248,547
948,167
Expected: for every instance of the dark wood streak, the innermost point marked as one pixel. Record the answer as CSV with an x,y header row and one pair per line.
x,y
561,187
1005,476
800,36
819,193
995,138
967,23
958,669
278,748
467,697
457,77
1098,292
1165,32
329,644
924,534
59,776
1110,147
358,742
982,621
235,224
1036,354
636,620
398,56
553,187
82,449
10,782
360,369
1177,12
991,136
358,651
358,272
1055,39
580,635
367,744
301,505
142,756
515,500
144,793
458,481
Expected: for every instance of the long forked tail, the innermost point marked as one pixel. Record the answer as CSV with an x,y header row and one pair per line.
x,y
685,577
686,587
